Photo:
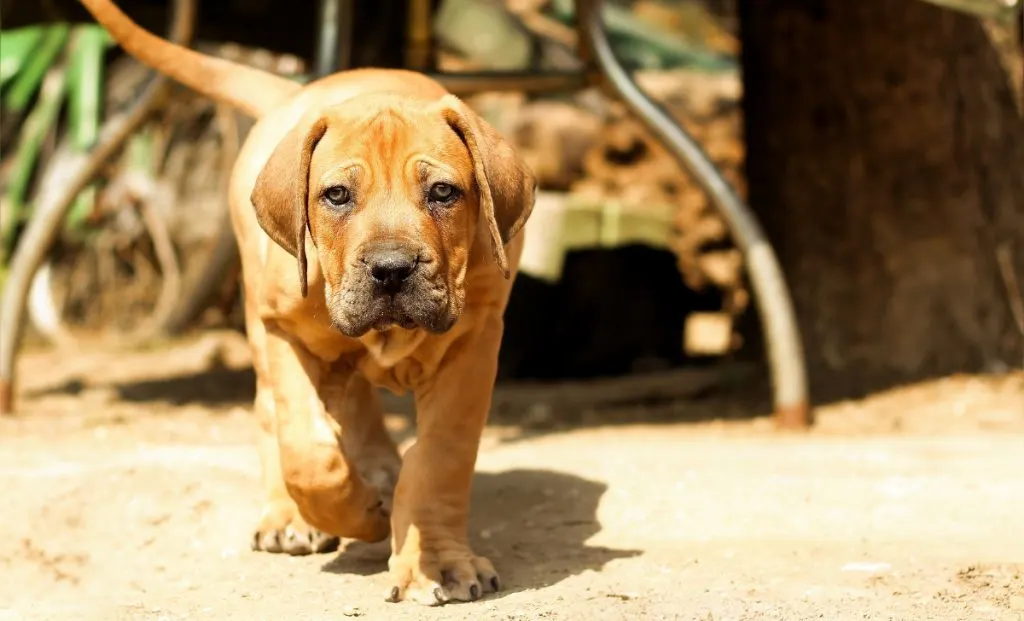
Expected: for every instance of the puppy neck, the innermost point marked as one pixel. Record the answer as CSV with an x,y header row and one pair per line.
x,y
388,347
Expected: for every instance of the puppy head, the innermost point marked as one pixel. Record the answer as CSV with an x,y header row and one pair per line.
x,y
393,193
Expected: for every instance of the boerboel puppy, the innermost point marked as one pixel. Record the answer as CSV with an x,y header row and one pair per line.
x,y
378,219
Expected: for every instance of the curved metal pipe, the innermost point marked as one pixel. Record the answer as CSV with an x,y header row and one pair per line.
x,y
55,200
785,350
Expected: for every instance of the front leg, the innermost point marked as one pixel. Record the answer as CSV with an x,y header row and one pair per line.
x,y
355,404
317,472
431,561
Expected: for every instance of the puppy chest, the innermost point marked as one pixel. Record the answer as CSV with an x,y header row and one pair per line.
x,y
399,378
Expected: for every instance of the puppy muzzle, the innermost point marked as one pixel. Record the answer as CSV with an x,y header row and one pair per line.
x,y
393,284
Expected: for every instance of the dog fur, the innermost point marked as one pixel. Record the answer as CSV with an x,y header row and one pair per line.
x,y
377,218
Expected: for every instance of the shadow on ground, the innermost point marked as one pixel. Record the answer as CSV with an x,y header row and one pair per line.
x,y
215,372
216,386
220,386
532,409
532,524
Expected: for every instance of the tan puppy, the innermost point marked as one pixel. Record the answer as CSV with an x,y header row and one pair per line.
x,y
401,209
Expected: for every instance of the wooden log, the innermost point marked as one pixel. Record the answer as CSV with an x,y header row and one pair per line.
x,y
629,171
708,334
554,137
724,268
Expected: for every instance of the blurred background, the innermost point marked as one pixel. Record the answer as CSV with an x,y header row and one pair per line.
x,y
630,469
879,144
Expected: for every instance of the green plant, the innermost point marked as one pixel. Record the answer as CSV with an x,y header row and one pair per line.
x,y
44,70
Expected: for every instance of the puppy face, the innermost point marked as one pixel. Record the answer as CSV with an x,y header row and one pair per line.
x,y
392,211
393,194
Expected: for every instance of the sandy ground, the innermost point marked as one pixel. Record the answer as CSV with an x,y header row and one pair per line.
x,y
130,485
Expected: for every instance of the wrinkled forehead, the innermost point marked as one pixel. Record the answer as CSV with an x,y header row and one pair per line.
x,y
388,137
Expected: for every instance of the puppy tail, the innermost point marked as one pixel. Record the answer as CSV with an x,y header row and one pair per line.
x,y
250,90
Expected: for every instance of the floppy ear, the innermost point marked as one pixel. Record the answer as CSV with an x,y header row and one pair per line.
x,y
281,193
504,181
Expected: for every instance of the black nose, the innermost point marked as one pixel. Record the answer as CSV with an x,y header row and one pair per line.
x,y
390,268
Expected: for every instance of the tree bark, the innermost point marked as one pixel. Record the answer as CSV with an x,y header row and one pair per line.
x,y
886,161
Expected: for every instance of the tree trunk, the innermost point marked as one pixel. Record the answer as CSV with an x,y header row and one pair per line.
x,y
886,160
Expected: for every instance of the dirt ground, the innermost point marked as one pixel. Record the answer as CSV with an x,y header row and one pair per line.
x,y
130,487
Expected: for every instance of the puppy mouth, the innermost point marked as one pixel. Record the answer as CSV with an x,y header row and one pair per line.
x,y
388,312
384,311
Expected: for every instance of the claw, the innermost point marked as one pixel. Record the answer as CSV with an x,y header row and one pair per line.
x,y
458,579
393,596
283,531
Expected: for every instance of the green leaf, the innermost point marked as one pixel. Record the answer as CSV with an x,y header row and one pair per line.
x,y
140,150
647,45
37,126
85,96
31,76
16,47
85,85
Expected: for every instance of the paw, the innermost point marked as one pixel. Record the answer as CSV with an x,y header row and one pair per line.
x,y
436,578
282,530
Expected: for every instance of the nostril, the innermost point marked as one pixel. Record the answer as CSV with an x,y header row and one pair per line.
x,y
403,271
392,270
389,266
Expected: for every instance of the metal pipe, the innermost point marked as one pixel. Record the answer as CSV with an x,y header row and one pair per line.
x,y
333,37
55,200
771,294
418,35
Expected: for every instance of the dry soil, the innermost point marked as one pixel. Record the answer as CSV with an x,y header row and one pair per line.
x,y
130,485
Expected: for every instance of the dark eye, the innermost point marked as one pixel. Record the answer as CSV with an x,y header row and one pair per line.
x,y
337,195
443,193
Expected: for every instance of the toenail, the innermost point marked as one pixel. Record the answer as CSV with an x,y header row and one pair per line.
x,y
439,595
495,584
394,595
474,591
